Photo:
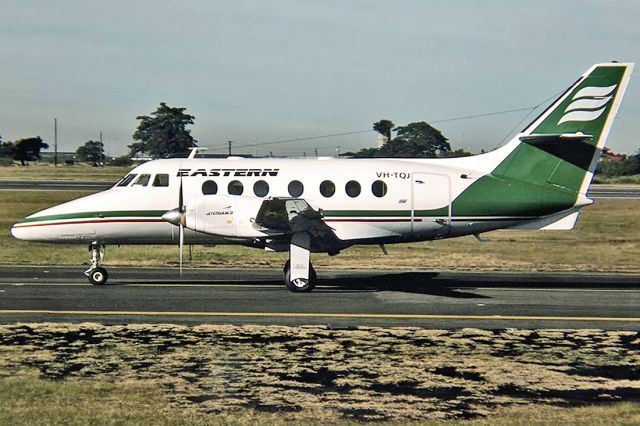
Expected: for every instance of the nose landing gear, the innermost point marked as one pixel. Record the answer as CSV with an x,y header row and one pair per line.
x,y
96,274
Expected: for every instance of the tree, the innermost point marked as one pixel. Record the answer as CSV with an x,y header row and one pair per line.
x,y
460,152
626,166
91,152
416,140
384,127
123,160
6,149
6,153
164,133
28,149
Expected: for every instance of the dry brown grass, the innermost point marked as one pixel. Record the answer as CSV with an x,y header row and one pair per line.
x,y
315,373
606,239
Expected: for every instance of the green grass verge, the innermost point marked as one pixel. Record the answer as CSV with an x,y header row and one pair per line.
x,y
607,238
61,172
634,179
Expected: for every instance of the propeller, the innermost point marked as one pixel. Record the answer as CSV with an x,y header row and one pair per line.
x,y
181,226
176,217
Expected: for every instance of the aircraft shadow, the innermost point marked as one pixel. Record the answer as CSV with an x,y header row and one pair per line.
x,y
409,282
428,283
405,282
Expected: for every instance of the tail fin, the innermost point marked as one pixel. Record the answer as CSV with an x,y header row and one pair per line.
x,y
562,146
549,166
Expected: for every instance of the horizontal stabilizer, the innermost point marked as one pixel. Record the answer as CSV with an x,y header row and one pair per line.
x,y
575,148
541,139
564,221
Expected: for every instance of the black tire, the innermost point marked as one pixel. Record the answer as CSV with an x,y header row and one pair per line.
x,y
301,286
98,276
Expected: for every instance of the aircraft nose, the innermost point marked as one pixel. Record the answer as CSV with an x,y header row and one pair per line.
x,y
20,233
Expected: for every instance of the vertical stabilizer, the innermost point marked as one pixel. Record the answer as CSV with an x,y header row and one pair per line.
x,y
549,166
562,146
575,127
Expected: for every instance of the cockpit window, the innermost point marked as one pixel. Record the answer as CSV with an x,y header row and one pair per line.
x,y
126,180
143,180
161,179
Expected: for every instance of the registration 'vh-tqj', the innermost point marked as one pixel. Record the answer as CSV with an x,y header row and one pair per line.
x,y
538,180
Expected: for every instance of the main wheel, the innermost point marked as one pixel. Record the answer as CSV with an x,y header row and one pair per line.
x,y
299,285
98,276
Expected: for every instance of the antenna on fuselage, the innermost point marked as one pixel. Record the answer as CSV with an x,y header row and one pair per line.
x,y
194,151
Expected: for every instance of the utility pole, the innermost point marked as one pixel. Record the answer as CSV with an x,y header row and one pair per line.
x,y
55,142
230,142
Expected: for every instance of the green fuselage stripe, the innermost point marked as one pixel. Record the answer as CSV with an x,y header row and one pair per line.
x,y
100,214
443,212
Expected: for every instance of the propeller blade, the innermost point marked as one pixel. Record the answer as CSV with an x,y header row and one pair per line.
x,y
181,209
181,245
180,197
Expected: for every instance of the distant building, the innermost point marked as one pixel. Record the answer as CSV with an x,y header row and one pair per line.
x,y
63,157
609,155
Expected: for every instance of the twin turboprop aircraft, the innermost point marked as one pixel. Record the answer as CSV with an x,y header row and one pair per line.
x,y
539,180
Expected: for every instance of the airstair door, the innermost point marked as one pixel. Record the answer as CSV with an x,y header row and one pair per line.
x,y
430,205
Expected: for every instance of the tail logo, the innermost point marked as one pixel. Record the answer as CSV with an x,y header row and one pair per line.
x,y
588,104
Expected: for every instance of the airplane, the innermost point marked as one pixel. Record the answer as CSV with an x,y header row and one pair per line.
x,y
538,180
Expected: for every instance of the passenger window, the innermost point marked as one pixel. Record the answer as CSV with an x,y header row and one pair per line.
x,y
296,188
352,188
143,180
261,188
161,179
327,188
235,187
379,188
209,187
126,180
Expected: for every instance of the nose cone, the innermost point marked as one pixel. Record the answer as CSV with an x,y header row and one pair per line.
x,y
172,216
19,233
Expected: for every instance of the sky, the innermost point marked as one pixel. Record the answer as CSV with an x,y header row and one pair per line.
x,y
256,72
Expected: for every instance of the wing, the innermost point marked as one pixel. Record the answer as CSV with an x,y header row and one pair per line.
x,y
293,215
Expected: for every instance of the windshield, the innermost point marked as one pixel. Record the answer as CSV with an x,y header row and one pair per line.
x,y
126,180
143,180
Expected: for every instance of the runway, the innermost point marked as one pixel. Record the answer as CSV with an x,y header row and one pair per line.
x,y
341,299
595,191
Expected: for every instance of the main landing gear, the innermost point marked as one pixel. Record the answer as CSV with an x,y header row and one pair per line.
x,y
299,275
96,274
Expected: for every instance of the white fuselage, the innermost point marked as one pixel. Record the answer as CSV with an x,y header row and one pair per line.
x,y
373,200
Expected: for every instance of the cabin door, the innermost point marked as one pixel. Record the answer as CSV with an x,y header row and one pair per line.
x,y
430,205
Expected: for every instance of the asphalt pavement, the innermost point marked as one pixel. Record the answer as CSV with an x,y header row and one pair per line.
x,y
342,298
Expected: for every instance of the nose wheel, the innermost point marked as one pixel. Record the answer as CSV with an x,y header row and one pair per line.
x,y
97,275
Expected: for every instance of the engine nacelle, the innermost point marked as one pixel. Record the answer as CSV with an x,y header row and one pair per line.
x,y
225,215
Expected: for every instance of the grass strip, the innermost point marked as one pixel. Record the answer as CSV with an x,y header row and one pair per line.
x,y
606,239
